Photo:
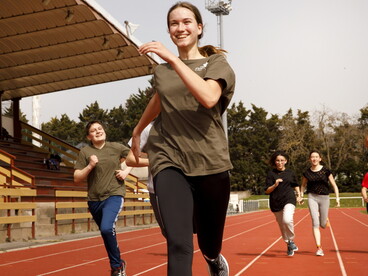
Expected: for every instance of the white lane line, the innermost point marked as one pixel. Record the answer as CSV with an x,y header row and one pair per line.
x,y
97,260
72,250
49,255
198,250
354,218
264,251
152,268
247,221
246,231
229,238
342,267
256,258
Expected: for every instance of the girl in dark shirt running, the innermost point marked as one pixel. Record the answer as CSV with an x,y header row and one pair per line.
x,y
316,180
281,185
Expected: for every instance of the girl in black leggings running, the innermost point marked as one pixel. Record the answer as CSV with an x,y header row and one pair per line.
x,y
187,147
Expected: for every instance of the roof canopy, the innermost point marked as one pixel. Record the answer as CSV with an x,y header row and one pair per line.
x,y
53,45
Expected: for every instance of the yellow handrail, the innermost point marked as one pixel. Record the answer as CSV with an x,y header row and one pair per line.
x,y
49,143
14,172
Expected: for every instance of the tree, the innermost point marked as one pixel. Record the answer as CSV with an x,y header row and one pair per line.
x,y
122,120
116,121
297,139
93,112
363,120
363,127
252,136
64,129
341,138
8,111
237,127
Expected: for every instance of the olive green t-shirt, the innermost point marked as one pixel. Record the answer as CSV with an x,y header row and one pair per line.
x,y
187,135
102,182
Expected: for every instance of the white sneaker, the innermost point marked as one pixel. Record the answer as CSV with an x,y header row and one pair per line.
x,y
218,267
320,252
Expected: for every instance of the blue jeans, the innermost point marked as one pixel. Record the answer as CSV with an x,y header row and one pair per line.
x,y
105,213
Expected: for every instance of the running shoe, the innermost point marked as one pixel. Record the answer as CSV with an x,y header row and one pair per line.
x,y
293,246
120,271
218,267
320,252
290,251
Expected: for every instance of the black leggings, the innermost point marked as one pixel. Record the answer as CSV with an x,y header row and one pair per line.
x,y
191,204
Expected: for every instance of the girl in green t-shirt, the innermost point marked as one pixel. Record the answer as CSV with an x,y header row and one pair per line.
x,y
187,147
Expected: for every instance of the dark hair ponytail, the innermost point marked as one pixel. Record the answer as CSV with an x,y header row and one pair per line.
x,y
209,50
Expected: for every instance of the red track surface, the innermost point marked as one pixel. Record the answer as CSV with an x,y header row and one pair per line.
x,y
252,246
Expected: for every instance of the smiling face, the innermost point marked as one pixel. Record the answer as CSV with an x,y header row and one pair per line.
x,y
315,158
183,28
96,134
280,162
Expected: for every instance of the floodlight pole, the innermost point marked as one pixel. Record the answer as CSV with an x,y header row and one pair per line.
x,y
220,8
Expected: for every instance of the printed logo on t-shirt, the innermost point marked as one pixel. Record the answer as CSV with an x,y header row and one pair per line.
x,y
201,68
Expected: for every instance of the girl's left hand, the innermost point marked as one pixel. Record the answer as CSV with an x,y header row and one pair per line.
x,y
337,202
300,200
121,174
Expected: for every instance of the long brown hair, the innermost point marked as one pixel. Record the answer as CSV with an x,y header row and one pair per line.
x,y
206,50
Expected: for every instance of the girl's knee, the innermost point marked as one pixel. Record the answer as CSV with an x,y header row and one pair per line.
x,y
106,231
288,221
180,247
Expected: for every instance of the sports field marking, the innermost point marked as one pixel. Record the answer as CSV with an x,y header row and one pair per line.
x,y
198,250
50,255
98,260
256,258
71,250
354,218
246,231
152,268
246,221
264,251
342,267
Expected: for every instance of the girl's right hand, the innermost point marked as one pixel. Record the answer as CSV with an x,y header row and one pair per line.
x,y
93,160
157,48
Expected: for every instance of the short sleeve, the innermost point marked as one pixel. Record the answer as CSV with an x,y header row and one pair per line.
x,y
269,180
123,151
365,181
294,181
219,69
81,161
328,172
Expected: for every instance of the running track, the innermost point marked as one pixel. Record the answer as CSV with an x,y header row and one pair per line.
x,y
252,246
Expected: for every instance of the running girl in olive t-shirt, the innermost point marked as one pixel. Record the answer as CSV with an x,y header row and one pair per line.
x,y
187,147
99,164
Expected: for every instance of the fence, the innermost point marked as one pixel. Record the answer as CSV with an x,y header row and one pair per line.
x,y
259,204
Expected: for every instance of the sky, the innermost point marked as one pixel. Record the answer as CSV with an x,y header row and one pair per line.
x,y
306,55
